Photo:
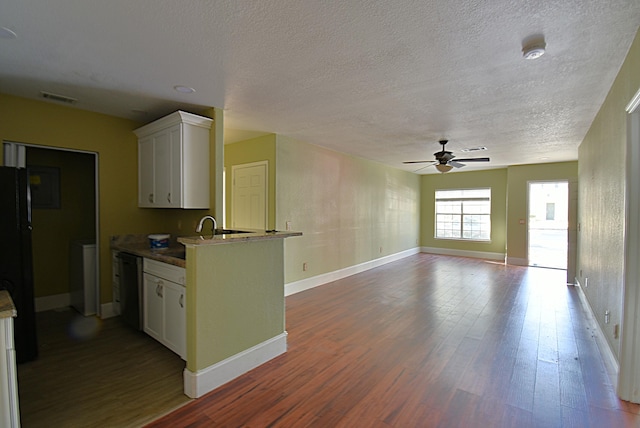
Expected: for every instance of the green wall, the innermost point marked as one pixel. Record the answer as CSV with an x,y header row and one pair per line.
x,y
601,200
349,210
253,150
112,139
235,299
496,179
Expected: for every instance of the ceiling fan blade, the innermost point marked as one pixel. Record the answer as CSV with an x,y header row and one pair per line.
x,y
419,161
473,160
421,168
455,164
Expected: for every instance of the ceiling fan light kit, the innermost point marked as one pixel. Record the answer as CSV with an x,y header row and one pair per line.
x,y
442,167
444,160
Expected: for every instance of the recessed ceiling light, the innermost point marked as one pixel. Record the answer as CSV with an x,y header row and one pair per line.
x,y
184,89
6,33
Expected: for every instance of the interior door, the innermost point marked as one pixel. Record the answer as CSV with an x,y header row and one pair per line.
x,y
249,196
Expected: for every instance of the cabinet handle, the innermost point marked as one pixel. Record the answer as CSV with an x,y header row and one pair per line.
x,y
151,197
168,197
159,290
181,301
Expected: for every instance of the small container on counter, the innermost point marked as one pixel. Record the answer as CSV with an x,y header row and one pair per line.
x,y
159,241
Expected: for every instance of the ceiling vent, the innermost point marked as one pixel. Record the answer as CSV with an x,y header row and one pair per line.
x,y
59,98
474,149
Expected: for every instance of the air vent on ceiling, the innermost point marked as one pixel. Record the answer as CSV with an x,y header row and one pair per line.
x,y
474,149
59,98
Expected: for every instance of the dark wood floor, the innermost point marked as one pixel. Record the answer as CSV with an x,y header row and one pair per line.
x,y
93,373
428,341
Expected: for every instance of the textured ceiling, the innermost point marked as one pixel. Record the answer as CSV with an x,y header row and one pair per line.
x,y
380,80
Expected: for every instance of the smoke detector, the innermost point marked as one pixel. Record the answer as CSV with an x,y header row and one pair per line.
x,y
533,50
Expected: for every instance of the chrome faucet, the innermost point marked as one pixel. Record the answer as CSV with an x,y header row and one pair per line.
x,y
202,220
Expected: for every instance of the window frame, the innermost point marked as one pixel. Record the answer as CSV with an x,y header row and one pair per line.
x,y
461,215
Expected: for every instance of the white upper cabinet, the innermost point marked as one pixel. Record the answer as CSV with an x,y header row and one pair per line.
x,y
173,162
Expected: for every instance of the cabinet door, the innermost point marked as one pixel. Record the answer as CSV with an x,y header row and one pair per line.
x,y
175,323
153,289
162,166
177,164
146,176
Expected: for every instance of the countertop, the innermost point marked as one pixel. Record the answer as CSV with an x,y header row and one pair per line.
x,y
251,235
7,309
139,244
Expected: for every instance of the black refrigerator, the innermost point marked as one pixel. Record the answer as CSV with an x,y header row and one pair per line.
x,y
16,265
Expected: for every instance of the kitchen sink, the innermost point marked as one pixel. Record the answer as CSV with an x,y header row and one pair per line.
x,y
229,231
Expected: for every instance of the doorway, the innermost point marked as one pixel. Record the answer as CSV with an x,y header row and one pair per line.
x,y
63,217
548,224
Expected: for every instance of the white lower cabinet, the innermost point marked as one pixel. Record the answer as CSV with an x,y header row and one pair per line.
x,y
164,305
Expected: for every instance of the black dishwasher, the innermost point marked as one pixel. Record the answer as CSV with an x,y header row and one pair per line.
x,y
131,289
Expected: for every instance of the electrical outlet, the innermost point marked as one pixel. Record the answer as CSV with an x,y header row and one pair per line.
x,y
304,266
287,225
607,316
586,282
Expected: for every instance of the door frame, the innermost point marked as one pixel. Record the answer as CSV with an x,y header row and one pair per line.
x,y
15,155
629,351
570,212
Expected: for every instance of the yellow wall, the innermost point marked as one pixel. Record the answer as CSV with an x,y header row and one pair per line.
x,y
495,179
518,178
601,199
349,210
253,150
50,125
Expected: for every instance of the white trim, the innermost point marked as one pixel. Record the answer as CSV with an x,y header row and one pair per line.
x,y
55,301
175,118
206,380
634,103
107,311
628,377
517,261
464,253
315,281
608,357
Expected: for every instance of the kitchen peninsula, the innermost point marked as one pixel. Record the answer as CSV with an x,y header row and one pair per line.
x,y
235,308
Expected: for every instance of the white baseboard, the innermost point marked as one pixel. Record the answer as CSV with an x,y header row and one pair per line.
x,y
206,380
464,253
315,281
516,261
55,301
610,361
107,310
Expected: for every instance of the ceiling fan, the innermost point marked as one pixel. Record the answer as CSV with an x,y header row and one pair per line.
x,y
444,160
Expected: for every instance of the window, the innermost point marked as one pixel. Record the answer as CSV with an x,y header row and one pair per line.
x,y
463,214
551,211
